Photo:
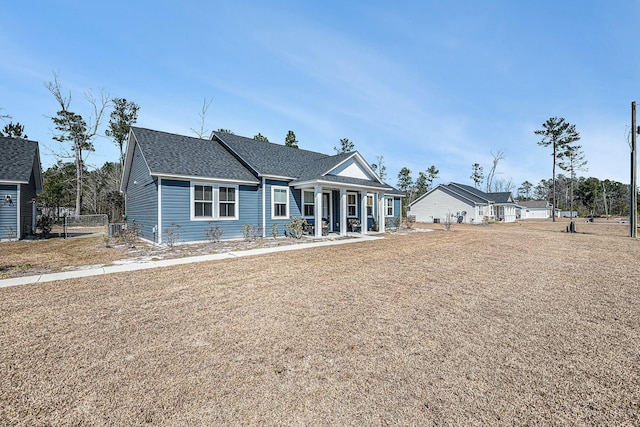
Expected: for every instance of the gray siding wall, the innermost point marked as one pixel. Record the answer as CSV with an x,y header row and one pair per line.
x,y
27,194
142,196
176,210
8,212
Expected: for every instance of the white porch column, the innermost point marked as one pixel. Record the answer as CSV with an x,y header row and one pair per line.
x,y
343,211
318,210
363,212
381,213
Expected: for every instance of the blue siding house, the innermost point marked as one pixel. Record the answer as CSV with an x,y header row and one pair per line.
x,y
20,182
175,182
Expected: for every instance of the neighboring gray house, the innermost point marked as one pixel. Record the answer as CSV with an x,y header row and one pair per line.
x,y
231,181
20,182
462,203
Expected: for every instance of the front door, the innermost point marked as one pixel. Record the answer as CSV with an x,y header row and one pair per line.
x,y
326,209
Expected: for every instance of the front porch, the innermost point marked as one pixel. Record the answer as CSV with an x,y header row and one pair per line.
x,y
343,211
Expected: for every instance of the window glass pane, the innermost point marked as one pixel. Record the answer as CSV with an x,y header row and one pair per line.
x,y
279,196
203,209
203,192
280,210
227,194
227,209
351,199
308,210
308,197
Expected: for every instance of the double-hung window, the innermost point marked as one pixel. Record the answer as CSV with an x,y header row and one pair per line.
x,y
203,201
214,201
279,202
370,205
309,203
352,204
227,202
388,206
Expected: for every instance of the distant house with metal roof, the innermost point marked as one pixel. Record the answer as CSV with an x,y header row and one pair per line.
x,y
20,182
462,203
229,181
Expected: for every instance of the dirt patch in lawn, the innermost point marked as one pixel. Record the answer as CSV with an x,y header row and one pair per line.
x,y
501,325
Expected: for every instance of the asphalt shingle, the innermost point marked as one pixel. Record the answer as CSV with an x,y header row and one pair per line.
x,y
17,159
172,154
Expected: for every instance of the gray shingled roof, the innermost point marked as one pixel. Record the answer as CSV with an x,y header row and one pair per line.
x,y
266,158
534,204
469,192
17,159
501,197
172,154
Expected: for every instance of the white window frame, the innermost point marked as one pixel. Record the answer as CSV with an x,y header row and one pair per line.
x,y
313,203
370,207
387,206
194,217
234,202
273,204
216,202
355,205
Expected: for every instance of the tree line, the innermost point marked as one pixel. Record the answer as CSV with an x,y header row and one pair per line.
x,y
72,186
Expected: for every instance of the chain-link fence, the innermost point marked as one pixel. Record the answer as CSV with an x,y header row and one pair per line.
x,y
74,226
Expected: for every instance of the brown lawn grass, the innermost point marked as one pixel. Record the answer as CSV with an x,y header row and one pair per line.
x,y
500,325
28,257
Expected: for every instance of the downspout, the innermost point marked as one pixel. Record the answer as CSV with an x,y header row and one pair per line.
x,y
18,203
264,207
159,225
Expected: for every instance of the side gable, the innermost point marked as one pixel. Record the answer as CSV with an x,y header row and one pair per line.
x,y
182,157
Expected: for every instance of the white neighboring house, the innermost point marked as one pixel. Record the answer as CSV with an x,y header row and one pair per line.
x,y
535,209
464,204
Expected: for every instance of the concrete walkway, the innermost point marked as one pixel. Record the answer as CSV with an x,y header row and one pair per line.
x,y
144,265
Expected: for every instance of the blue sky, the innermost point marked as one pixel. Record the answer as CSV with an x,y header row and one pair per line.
x,y
444,83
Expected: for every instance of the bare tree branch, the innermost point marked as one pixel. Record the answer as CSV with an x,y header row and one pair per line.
x,y
203,132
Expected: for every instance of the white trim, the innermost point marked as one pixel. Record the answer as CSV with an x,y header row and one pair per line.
x,y
279,187
10,182
313,203
373,205
264,207
159,226
330,210
215,202
318,196
343,212
19,230
393,206
204,179
364,220
360,160
278,178
333,184
128,159
354,194
382,225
